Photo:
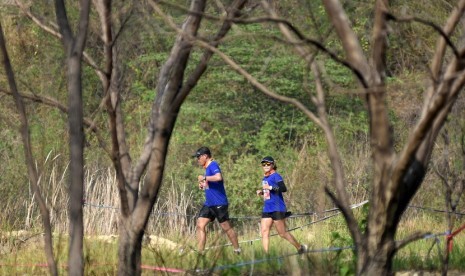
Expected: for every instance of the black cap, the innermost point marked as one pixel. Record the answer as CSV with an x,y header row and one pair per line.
x,y
202,151
267,159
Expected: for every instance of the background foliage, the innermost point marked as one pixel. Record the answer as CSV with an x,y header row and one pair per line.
x,y
223,112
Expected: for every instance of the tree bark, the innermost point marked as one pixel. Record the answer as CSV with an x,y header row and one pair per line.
x,y
396,178
74,47
33,175
171,93
129,249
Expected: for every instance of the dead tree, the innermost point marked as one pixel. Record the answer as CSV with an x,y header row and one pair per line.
x,y
172,89
74,47
29,157
136,200
454,186
396,176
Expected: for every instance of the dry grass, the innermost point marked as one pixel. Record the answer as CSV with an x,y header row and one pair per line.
x,y
26,247
170,232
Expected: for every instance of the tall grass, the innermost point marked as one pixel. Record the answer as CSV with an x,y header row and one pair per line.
x,y
327,241
171,229
305,174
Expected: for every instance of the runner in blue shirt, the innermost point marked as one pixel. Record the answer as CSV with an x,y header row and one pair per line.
x,y
216,201
274,208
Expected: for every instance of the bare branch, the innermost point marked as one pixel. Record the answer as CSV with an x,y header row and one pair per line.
x,y
462,144
435,27
411,238
379,39
231,12
52,30
319,101
349,39
65,29
433,116
419,145
123,24
111,100
254,82
440,175
32,171
37,20
436,65
73,48
63,108
302,38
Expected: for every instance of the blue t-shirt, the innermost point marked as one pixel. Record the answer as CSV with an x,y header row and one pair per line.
x,y
276,201
215,194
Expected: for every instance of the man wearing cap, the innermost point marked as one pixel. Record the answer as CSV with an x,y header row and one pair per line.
x,y
216,201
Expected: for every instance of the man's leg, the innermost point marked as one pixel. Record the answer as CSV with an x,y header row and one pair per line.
x,y
201,232
227,228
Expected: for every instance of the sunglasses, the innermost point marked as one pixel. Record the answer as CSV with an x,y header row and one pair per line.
x,y
266,164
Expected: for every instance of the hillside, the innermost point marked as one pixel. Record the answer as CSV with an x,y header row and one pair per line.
x,y
227,111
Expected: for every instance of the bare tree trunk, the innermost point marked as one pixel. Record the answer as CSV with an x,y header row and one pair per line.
x,y
171,92
119,153
33,175
130,250
162,122
74,47
76,173
396,178
132,228
453,183
136,202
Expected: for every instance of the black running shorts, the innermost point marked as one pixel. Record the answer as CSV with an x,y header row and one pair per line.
x,y
219,212
276,215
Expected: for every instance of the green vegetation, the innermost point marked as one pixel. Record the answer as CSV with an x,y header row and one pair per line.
x,y
236,121
329,245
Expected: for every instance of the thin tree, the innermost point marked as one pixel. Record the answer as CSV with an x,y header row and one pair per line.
x,y
454,185
173,86
396,176
136,200
29,157
74,47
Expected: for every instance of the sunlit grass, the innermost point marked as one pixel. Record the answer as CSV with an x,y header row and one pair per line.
x,y
177,252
